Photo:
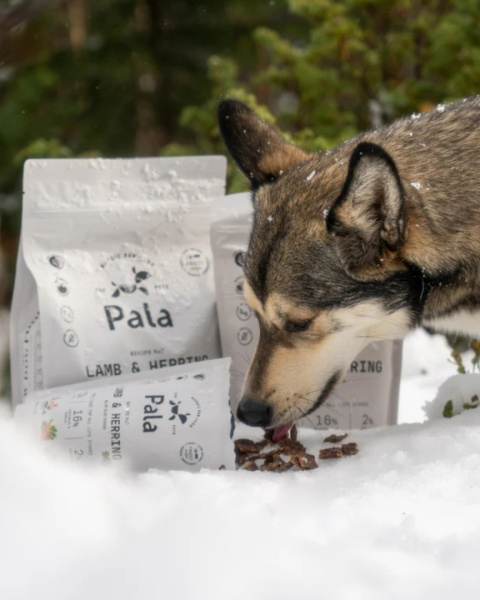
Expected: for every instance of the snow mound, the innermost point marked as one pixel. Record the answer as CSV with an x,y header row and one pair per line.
x,y
459,389
398,520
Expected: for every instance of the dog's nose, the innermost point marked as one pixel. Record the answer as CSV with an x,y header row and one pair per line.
x,y
254,412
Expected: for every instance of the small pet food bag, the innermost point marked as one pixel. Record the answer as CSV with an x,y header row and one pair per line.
x,y
369,394
163,420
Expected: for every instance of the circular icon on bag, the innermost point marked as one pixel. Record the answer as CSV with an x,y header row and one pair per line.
x,y
244,312
239,284
194,262
67,314
62,288
244,336
56,261
240,258
191,453
70,338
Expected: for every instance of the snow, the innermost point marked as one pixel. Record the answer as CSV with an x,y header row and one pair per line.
x,y
398,520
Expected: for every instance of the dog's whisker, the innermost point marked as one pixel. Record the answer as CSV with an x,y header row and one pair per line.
x,y
237,371
293,417
384,338
242,357
306,416
309,400
379,318
313,391
330,408
337,395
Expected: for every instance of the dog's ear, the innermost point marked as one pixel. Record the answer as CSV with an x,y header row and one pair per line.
x,y
367,219
261,153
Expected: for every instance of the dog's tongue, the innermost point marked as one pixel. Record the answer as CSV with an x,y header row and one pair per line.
x,y
280,433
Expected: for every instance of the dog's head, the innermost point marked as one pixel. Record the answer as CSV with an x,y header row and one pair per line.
x,y
323,271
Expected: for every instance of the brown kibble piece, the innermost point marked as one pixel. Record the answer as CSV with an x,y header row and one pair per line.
x,y
292,447
272,465
349,449
335,439
241,459
244,446
222,468
268,455
285,467
305,462
335,452
309,462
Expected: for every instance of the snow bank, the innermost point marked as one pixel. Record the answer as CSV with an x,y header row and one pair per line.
x,y
398,520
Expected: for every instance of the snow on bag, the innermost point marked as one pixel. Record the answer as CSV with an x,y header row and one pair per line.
x,y
176,419
114,272
369,394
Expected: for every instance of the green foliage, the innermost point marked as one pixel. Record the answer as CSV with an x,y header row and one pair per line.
x,y
344,67
148,75
473,404
448,410
459,344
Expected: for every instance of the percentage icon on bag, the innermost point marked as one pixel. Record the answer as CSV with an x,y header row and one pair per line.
x,y
77,417
70,338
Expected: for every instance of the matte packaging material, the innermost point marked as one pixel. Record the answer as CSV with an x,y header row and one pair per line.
x,y
114,273
177,418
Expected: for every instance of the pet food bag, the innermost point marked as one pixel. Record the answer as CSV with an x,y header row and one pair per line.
x,y
369,394
114,272
178,420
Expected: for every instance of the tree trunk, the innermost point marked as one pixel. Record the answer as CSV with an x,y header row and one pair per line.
x,y
77,13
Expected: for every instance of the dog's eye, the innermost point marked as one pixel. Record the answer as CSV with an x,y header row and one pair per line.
x,y
292,326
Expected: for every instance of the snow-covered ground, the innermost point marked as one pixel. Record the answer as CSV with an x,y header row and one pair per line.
x,y
400,520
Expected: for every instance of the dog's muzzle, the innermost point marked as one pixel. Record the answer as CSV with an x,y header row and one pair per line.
x,y
254,412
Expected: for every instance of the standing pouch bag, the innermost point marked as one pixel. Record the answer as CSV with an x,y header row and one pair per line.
x,y
114,272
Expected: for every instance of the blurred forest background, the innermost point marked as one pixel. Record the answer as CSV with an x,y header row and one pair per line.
x,y
143,77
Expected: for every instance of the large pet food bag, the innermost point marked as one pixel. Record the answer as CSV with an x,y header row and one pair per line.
x,y
166,422
369,394
114,273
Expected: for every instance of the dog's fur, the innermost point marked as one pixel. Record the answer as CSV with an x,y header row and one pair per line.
x,y
363,242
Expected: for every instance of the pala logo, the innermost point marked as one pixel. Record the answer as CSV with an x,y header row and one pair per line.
x,y
138,278
182,417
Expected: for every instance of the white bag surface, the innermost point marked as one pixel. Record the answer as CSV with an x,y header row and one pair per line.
x,y
178,420
114,271
369,394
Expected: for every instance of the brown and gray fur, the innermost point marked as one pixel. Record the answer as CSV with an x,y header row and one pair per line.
x,y
363,242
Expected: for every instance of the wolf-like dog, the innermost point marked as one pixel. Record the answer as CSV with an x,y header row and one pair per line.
x,y
364,242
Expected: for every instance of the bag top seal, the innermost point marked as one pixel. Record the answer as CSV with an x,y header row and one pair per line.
x,y
83,184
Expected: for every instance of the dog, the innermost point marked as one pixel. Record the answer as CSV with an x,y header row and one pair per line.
x,y
364,242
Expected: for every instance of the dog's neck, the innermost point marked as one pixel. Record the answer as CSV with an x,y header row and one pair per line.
x,y
446,273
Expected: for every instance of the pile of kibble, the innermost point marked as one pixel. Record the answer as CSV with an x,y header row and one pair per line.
x,y
289,453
